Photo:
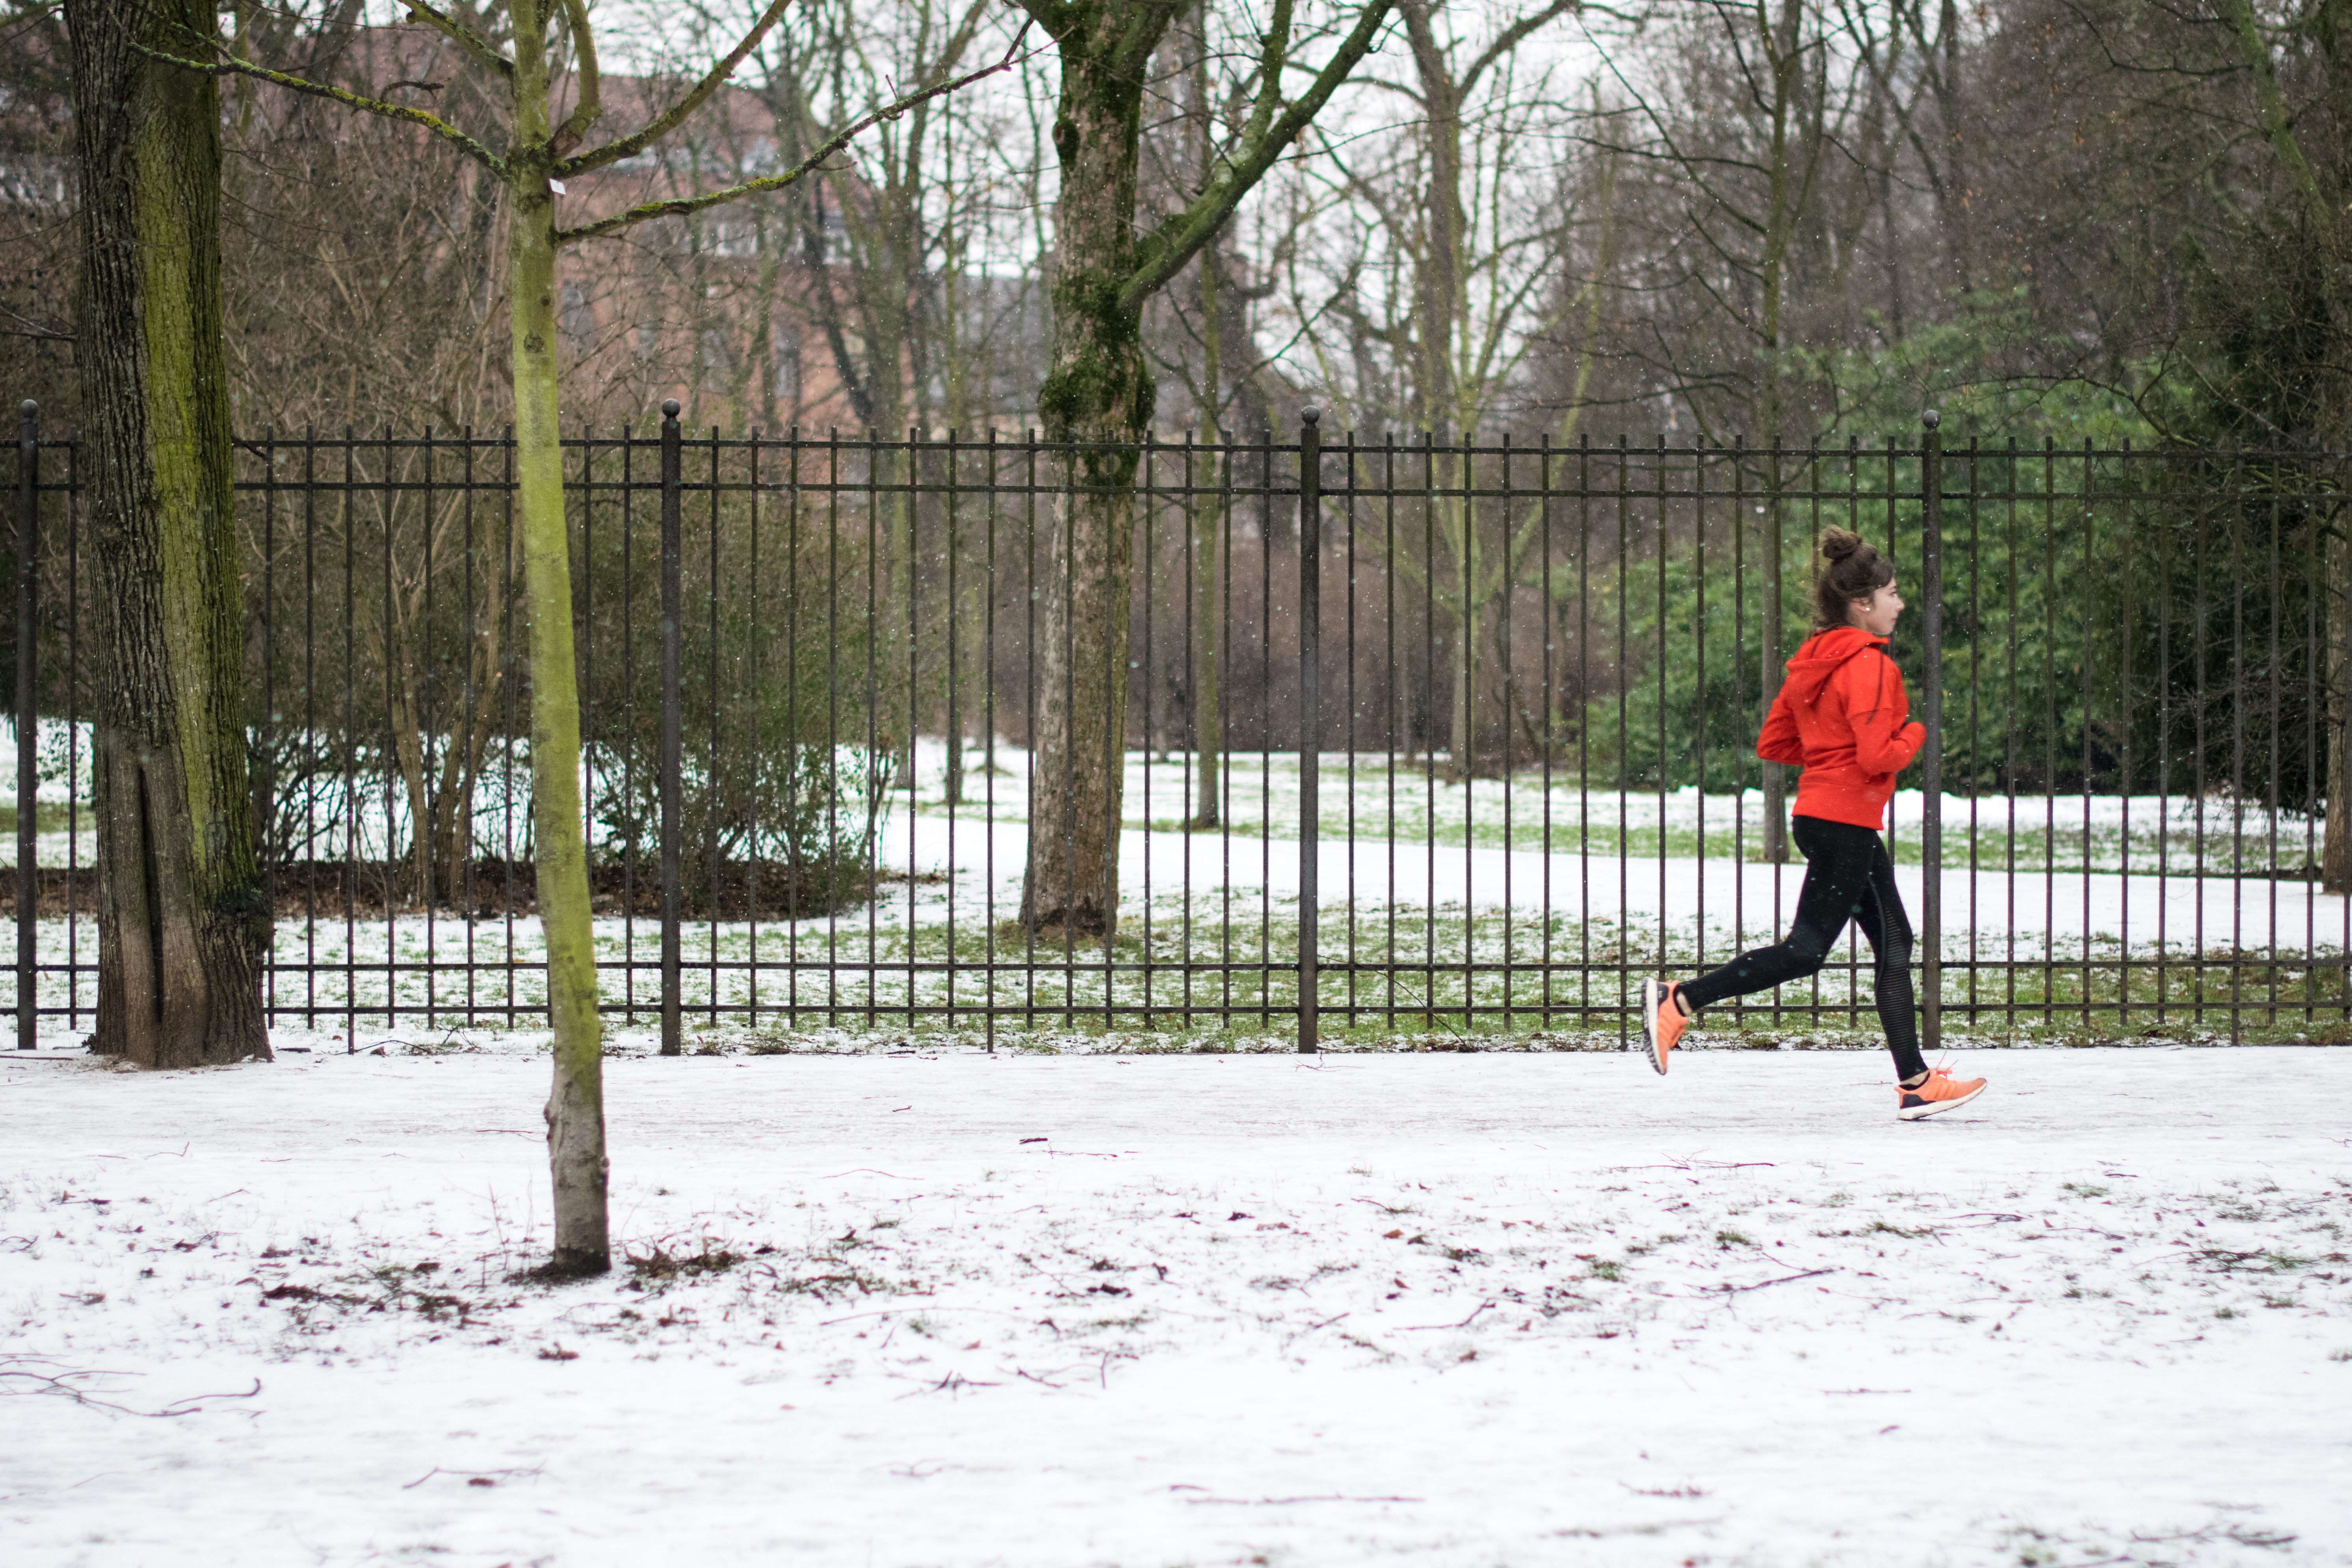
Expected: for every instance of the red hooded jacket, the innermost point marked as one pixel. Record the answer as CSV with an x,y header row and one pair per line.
x,y
1842,712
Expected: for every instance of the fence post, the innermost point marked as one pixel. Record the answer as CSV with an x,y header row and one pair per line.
x,y
1931,780
28,809
673,614
1310,713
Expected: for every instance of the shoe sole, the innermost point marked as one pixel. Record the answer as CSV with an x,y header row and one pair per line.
x,y
1653,997
1937,1108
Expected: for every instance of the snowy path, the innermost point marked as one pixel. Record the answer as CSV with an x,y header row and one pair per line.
x,y
2190,913
1442,1310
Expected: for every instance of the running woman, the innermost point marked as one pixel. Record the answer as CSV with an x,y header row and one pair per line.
x,y
1843,714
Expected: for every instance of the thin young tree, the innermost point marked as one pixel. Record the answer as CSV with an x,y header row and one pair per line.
x,y
183,921
1108,264
543,149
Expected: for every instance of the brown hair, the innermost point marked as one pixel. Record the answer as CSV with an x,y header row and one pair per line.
x,y
1851,570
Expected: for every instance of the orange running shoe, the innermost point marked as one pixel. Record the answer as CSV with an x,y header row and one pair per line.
x,y
1940,1093
1664,1019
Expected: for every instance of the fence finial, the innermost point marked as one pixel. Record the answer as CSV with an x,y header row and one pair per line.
x,y
670,408
1931,419
28,408
1310,414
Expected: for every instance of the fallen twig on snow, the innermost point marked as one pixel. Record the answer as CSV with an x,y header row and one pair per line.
x,y
65,1383
473,1478
1285,1501
1431,1327
1785,1278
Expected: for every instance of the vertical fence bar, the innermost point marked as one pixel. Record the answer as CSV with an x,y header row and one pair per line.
x,y
1774,776
73,742
1310,708
28,810
672,722
1931,782
711,881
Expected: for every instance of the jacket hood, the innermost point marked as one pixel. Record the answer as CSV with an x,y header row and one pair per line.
x,y
1822,655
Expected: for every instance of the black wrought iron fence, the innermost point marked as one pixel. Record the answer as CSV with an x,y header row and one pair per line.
x,y
1420,736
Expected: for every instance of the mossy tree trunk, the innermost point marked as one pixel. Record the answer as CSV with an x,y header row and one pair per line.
x,y
1098,397
577,1160
183,921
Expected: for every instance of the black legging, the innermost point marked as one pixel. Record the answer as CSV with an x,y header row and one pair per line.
x,y
1848,877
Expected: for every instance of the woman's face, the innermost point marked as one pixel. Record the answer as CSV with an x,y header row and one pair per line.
x,y
1877,614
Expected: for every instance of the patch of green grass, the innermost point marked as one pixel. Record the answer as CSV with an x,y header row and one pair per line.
x,y
50,817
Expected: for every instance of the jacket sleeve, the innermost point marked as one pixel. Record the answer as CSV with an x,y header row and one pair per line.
x,y
1885,737
1779,743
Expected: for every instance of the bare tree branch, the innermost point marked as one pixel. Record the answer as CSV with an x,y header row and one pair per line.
x,y
432,123
1168,247
681,205
476,48
678,113
591,107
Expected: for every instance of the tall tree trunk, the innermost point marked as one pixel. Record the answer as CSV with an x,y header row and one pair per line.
x,y
1461,522
1781,222
1207,511
1095,385
1208,690
183,919
1439,290
575,1108
2336,847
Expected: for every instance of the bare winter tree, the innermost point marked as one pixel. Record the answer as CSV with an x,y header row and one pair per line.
x,y
542,149
1107,266
1458,217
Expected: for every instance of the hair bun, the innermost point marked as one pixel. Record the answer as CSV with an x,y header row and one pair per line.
x,y
1837,543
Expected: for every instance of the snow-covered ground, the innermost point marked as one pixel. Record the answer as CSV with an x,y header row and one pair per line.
x,y
944,1310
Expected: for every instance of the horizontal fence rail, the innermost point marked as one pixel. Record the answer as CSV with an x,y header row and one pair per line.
x,y
1419,736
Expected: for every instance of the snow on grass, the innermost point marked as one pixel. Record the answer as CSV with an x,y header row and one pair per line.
x,y
1209,932
1376,800
934,952
938,1309
1376,797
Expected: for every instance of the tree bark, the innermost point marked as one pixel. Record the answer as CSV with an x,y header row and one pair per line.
x,y
1208,676
1780,48
1096,385
183,921
1207,510
1439,296
2336,845
577,1162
